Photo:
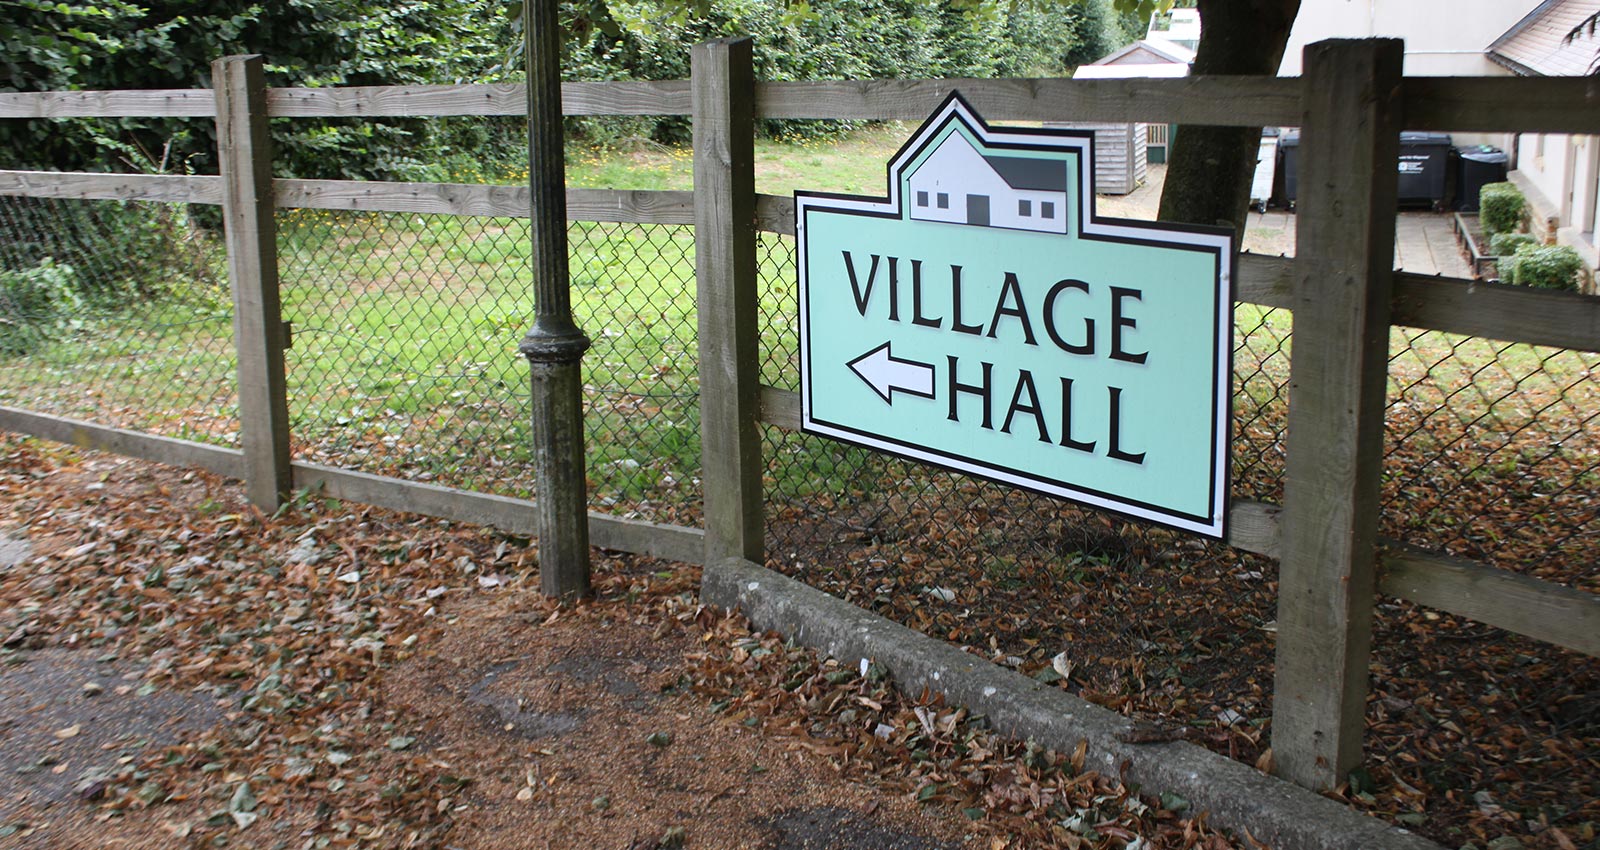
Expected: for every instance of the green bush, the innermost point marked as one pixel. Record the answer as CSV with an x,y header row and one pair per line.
x,y
1543,267
123,251
1500,208
1506,244
34,304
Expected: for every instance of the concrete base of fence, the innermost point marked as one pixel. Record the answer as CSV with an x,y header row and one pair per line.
x,y
1238,797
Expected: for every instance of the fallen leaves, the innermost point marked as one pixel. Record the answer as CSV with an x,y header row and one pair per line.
x,y
933,753
288,619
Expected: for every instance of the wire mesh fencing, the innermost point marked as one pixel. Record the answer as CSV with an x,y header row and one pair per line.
x,y
118,313
405,362
1490,455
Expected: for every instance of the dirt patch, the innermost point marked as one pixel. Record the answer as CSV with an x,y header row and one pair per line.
x,y
584,731
836,829
68,718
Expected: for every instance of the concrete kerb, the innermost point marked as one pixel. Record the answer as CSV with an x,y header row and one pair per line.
x,y
1238,797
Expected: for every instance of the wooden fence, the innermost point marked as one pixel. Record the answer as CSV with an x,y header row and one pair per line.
x,y
1340,286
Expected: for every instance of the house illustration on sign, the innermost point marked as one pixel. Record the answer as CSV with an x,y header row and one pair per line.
x,y
958,185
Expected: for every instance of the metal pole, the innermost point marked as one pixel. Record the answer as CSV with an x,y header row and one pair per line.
x,y
554,346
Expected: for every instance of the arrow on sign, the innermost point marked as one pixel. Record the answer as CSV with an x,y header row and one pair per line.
x,y
886,374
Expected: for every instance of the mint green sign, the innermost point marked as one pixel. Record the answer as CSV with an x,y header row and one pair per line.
x,y
984,319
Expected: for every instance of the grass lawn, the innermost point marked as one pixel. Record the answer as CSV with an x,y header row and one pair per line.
x,y
856,163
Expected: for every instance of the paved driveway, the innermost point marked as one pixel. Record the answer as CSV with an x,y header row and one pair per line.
x,y
1424,241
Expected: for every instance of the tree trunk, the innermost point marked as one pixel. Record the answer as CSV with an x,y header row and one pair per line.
x,y
1208,175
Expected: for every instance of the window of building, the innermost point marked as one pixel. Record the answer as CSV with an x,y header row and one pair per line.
x,y
944,200
1047,209
922,199
1025,208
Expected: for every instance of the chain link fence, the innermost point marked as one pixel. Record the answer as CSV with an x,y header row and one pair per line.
x,y
404,359
117,313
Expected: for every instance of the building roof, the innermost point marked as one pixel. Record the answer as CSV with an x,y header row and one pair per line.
x,y
1164,70
1024,173
1148,50
1537,47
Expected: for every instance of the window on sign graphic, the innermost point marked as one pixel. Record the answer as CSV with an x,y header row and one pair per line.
x,y
1025,208
944,201
1047,209
922,199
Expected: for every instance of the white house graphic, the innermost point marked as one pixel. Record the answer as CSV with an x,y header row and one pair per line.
x,y
958,184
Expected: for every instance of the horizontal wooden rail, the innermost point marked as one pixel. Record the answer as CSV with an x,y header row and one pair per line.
x,y
1502,104
152,103
614,205
1241,101
1454,305
170,450
620,205
669,97
516,516
1461,104
1522,604
1497,311
171,188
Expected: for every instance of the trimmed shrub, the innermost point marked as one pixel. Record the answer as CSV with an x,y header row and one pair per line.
x,y
1500,208
1506,244
1543,267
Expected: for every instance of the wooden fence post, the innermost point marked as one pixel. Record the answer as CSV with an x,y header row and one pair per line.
x,y
723,82
554,345
244,151
1344,260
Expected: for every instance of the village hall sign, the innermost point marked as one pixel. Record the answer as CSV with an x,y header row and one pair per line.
x,y
982,318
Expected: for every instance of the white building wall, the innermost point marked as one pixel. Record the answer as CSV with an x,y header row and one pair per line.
x,y
1443,37
1006,212
1545,165
957,170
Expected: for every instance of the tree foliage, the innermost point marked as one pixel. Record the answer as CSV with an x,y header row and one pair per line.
x,y
1585,29
117,44
138,44
835,39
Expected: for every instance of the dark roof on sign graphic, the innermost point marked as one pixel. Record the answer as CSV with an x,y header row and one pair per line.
x,y
1024,173
1537,46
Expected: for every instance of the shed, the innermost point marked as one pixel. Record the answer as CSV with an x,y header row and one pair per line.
x,y
1149,58
1119,155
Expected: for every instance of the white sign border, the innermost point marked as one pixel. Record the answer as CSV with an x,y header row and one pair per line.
x,y
955,108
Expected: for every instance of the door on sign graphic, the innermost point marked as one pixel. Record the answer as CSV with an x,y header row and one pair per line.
x,y
978,209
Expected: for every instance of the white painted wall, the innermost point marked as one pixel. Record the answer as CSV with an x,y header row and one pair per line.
x,y
956,170
1443,37
1545,163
